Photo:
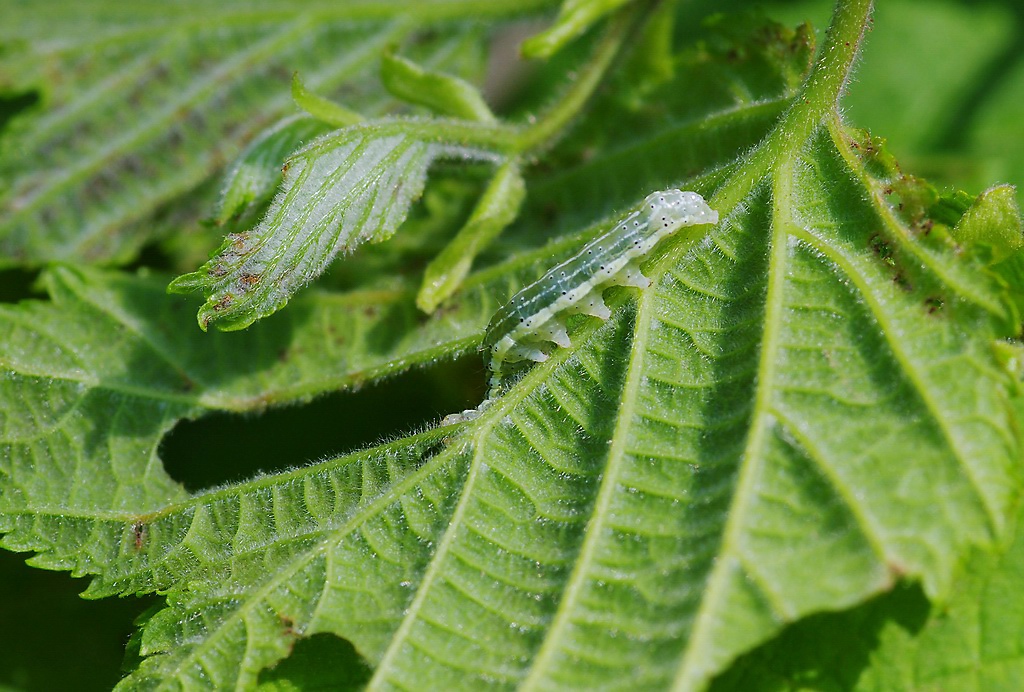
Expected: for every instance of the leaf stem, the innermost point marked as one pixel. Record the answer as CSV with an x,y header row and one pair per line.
x,y
834,63
819,95
550,124
816,101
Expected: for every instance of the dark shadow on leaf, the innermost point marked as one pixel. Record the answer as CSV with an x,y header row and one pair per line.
x,y
13,104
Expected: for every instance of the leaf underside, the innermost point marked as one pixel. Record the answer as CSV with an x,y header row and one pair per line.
x,y
343,189
803,409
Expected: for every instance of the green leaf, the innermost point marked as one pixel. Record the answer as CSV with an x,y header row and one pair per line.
x,y
971,641
994,221
112,358
357,185
322,109
961,126
728,92
257,173
815,401
441,93
497,208
142,107
899,641
574,17
342,190
653,59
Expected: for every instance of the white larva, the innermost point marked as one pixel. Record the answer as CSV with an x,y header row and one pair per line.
x,y
534,318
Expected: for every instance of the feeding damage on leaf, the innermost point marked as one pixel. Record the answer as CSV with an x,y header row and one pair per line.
x,y
921,226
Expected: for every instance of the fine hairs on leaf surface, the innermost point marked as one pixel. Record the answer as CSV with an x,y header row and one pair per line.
x,y
808,423
343,189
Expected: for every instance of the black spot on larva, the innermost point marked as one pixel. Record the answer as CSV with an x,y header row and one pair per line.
x,y
564,292
590,252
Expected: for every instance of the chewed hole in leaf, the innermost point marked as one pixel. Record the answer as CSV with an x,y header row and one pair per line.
x,y
224,447
17,284
47,601
304,666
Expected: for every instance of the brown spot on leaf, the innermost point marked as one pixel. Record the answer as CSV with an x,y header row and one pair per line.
x,y
139,535
238,241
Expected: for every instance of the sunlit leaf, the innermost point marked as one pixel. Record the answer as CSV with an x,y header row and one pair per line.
x,y
816,402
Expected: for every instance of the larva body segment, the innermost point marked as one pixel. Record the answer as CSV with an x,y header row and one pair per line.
x,y
534,318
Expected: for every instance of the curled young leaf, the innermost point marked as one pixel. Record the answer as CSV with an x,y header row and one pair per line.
x,y
344,189
445,94
993,220
574,17
496,209
257,172
323,109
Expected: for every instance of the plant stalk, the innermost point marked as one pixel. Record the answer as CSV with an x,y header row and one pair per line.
x,y
550,124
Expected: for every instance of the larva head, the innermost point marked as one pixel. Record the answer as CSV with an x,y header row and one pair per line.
x,y
670,210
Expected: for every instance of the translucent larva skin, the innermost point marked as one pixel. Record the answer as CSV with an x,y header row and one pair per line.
x,y
535,315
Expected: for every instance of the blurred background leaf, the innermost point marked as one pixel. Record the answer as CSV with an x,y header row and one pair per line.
x,y
943,83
